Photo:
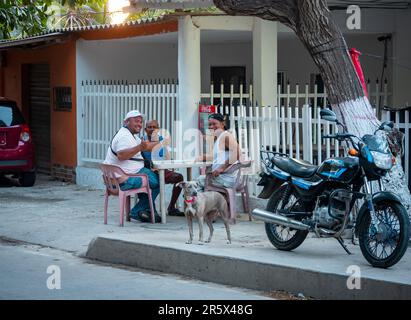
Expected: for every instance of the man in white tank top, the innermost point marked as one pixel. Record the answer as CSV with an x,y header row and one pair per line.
x,y
226,152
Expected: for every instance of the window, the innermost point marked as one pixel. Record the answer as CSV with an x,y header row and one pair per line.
x,y
10,115
316,79
281,81
228,76
62,98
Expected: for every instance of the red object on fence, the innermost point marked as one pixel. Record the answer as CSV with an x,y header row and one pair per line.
x,y
203,112
355,57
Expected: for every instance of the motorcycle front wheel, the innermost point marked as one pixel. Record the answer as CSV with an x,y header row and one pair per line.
x,y
384,243
281,237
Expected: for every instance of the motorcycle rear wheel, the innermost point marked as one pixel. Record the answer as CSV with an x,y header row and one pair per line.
x,y
384,246
283,238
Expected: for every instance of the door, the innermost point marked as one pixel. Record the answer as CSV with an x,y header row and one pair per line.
x,y
228,75
39,114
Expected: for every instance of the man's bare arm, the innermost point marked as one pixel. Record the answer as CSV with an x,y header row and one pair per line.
x,y
129,153
232,146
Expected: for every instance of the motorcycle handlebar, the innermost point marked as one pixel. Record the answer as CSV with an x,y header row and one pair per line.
x,y
339,136
328,136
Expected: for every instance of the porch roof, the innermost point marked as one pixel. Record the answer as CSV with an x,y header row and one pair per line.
x,y
58,34
32,40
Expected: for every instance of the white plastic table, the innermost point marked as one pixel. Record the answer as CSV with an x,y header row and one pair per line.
x,y
161,166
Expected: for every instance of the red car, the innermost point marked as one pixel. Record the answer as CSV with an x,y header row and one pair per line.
x,y
16,144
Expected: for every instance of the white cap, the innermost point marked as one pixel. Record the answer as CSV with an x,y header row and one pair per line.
x,y
133,114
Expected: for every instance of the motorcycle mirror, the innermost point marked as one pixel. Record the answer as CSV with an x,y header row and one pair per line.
x,y
328,115
386,126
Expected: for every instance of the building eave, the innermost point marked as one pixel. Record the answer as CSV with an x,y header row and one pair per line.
x,y
32,41
61,33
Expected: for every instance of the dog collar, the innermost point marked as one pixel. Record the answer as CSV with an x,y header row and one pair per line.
x,y
192,200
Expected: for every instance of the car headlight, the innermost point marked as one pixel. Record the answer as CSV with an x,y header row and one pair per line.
x,y
382,160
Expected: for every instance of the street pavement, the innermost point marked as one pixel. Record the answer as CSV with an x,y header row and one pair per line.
x,y
68,218
35,272
51,224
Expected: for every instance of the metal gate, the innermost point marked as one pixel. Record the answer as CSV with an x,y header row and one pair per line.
x,y
104,105
39,106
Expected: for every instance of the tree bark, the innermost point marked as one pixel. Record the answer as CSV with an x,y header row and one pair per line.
x,y
312,22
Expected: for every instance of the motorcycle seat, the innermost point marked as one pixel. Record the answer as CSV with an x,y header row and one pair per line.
x,y
297,168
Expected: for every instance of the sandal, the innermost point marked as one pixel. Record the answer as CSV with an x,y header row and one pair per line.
x,y
144,216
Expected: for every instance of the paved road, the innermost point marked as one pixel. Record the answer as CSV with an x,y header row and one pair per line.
x,y
23,275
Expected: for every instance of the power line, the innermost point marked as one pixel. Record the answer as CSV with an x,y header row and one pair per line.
x,y
372,4
390,58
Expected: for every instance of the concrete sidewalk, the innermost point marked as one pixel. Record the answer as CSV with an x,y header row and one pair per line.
x,y
70,218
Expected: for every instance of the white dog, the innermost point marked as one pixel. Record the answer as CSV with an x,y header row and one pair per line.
x,y
206,206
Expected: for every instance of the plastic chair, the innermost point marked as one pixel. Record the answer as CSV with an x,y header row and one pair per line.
x,y
229,193
110,172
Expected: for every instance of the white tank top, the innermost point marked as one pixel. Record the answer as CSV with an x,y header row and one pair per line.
x,y
220,157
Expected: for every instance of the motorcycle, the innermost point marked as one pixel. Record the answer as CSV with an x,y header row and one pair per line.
x,y
324,199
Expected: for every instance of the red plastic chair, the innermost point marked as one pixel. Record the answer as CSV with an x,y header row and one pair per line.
x,y
110,172
229,193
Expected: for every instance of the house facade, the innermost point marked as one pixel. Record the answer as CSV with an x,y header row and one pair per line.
x,y
87,66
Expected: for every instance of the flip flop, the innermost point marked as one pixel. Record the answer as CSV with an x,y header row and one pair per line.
x,y
144,216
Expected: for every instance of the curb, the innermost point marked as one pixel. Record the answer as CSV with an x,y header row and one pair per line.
x,y
241,272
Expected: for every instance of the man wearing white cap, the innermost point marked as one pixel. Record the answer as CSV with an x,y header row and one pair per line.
x,y
125,151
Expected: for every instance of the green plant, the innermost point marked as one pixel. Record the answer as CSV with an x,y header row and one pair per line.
x,y
21,18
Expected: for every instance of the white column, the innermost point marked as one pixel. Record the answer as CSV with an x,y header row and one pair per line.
x,y
265,62
402,52
189,77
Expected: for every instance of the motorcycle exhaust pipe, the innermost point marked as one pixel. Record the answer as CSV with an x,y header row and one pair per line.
x,y
275,218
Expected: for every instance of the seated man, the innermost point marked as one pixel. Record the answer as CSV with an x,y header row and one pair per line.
x,y
226,152
162,152
125,151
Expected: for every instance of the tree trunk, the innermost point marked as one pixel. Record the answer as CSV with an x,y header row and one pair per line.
x,y
312,22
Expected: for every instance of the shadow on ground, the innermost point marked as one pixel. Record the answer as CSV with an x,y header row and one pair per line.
x,y
8,181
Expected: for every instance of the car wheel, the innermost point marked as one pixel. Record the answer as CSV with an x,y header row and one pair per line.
x,y
27,179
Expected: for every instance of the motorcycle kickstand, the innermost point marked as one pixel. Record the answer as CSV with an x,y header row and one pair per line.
x,y
353,239
341,242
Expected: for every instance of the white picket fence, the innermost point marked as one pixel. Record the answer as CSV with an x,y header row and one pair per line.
x,y
289,96
289,128
402,122
296,132
103,106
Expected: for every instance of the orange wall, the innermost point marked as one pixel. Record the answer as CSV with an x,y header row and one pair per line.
x,y
62,61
